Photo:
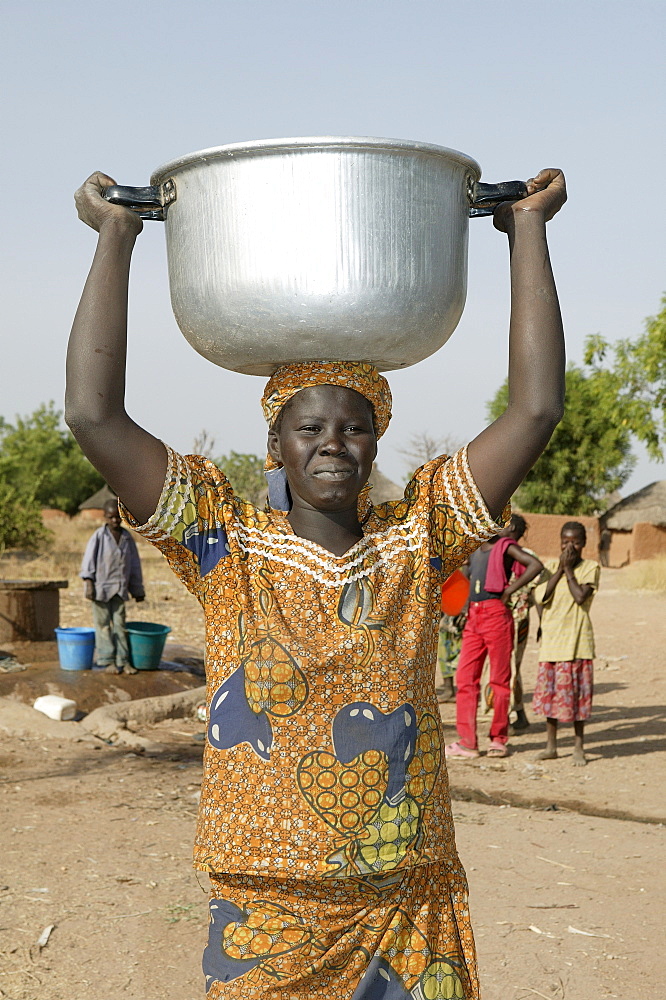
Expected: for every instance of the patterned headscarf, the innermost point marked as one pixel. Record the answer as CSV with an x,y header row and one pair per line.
x,y
362,377
290,379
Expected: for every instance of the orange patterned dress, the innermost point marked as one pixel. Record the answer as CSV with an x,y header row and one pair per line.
x,y
325,818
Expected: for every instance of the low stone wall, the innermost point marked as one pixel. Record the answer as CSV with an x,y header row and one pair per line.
x,y
109,722
93,515
52,514
29,609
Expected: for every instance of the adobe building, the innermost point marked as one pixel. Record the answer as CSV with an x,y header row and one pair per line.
x,y
635,528
92,509
543,534
383,489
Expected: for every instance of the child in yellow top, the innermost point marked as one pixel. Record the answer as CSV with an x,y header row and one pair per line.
x,y
564,682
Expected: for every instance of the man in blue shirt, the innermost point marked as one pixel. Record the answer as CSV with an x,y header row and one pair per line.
x,y
111,571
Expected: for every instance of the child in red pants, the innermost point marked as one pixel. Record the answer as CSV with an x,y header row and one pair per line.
x,y
489,632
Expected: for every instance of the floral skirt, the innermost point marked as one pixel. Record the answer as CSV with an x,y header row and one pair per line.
x,y
401,936
564,690
448,645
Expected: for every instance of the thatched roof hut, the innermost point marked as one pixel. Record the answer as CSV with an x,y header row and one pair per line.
x,y
383,488
647,506
98,499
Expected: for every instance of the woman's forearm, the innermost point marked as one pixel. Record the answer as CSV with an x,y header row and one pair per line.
x,y
97,349
536,335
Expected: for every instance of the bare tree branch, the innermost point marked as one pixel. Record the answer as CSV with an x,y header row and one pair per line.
x,y
422,448
203,444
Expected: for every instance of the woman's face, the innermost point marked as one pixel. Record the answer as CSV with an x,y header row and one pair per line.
x,y
327,444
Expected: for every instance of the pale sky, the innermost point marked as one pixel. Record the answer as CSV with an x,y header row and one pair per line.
x,y
518,86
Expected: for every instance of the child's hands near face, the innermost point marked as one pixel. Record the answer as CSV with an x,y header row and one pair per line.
x,y
95,211
546,193
568,556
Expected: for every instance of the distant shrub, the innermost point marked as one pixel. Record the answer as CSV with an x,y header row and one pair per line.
x,y
21,525
41,459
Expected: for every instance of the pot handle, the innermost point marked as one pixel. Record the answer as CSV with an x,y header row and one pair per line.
x,y
147,202
484,198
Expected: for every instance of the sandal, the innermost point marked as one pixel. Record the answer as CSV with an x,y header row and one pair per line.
x,y
458,750
497,750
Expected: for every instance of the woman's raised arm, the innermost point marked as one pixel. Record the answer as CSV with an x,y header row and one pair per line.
x,y
502,455
132,461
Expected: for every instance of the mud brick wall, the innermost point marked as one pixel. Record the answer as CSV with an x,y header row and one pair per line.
x,y
543,534
648,541
620,552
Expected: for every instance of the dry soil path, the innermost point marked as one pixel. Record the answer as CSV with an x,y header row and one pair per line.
x,y
567,902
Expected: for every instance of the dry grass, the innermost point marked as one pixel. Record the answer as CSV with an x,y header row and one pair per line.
x,y
648,574
60,561
167,600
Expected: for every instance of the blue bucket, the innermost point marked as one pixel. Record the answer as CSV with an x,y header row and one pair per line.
x,y
146,644
76,647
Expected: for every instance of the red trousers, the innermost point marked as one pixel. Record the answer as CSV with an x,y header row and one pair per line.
x,y
488,632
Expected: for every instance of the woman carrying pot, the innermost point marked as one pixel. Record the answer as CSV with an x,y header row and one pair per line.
x,y
325,821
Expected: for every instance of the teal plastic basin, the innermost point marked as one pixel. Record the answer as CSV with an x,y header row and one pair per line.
x,y
146,644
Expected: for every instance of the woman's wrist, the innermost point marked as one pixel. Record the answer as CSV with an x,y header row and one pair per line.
x,y
523,211
120,229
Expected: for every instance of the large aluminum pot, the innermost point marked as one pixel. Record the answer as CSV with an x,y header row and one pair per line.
x,y
324,248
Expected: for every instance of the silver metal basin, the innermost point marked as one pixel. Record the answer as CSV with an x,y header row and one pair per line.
x,y
325,248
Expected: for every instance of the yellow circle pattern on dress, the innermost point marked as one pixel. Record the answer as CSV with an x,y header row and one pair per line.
x,y
267,930
387,836
327,937
440,981
346,796
426,762
274,682
405,949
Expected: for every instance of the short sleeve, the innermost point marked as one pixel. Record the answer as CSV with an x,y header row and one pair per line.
x,y
589,574
189,523
458,519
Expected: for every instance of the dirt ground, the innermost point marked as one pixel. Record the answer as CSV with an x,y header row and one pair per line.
x,y
565,864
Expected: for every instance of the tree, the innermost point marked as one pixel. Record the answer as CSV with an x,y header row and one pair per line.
x,y
41,460
620,392
246,475
21,525
638,375
422,448
203,444
589,455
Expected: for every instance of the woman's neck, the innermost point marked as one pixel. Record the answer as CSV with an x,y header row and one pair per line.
x,y
336,531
